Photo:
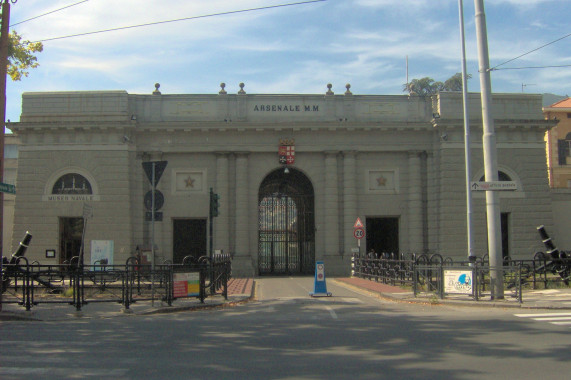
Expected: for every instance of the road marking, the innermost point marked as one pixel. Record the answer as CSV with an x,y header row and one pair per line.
x,y
331,311
559,319
542,315
553,319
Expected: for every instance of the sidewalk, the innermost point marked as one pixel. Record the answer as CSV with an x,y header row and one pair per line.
x,y
242,290
239,290
532,299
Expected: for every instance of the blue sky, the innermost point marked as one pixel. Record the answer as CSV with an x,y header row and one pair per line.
x,y
285,50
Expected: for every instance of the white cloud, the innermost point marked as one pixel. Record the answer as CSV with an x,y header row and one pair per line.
x,y
296,49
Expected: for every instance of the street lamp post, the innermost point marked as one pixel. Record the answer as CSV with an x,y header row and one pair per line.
x,y
467,147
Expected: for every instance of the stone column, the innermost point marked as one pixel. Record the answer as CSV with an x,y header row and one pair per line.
x,y
242,253
414,203
349,200
221,223
331,205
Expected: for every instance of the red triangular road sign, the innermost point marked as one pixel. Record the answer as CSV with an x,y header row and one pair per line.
x,y
358,223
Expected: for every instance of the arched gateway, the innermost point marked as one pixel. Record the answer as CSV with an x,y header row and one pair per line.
x,y
286,224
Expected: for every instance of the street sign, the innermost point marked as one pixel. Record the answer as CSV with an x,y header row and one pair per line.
x,y
358,223
7,188
493,186
359,233
158,167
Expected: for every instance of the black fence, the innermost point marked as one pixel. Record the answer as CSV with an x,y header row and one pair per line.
x,y
30,284
435,273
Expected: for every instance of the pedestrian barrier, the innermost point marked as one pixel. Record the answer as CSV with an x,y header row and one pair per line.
x,y
433,273
31,284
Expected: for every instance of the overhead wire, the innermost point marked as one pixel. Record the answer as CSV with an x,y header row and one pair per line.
x,y
180,19
532,67
49,13
495,68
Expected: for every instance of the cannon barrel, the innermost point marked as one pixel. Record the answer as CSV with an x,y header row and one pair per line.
x,y
551,248
559,261
21,251
14,259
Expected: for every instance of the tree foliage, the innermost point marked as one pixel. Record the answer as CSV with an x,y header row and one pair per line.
x,y
21,56
427,86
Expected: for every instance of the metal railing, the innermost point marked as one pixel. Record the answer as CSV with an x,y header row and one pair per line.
x,y
432,273
30,284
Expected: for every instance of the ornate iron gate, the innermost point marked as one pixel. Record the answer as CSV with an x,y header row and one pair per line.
x,y
286,240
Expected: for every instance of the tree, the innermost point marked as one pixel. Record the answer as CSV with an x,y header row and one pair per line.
x,y
427,86
454,83
423,87
21,56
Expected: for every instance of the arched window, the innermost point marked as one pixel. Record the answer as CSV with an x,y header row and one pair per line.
x,y
72,183
501,177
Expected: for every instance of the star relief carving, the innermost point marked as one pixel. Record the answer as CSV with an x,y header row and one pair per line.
x,y
381,181
189,182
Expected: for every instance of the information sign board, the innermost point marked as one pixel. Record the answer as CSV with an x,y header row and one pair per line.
x,y
458,281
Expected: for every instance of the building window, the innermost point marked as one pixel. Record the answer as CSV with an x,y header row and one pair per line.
x,y
564,149
501,177
10,151
72,183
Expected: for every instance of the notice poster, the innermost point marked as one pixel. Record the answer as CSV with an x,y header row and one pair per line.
x,y
458,281
186,285
101,253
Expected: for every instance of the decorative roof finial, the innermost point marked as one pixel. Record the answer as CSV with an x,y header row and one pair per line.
x,y
157,92
348,92
329,92
222,91
241,92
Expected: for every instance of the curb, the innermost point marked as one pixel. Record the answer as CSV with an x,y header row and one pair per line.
x,y
394,297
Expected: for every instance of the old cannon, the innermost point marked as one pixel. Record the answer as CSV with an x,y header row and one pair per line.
x,y
11,265
554,260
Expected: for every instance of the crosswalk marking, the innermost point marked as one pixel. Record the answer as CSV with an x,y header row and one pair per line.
x,y
555,318
543,315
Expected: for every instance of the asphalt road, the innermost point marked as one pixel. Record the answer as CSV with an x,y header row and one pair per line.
x,y
285,334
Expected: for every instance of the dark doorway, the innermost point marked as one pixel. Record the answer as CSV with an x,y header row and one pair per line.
x,y
382,235
189,239
286,224
505,219
70,233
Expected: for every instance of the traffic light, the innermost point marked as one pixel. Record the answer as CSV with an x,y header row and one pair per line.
x,y
214,204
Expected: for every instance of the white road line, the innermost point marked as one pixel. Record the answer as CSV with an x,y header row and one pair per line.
x,y
553,319
542,315
331,311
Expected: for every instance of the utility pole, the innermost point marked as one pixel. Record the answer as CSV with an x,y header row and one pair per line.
x,y
467,145
4,43
490,156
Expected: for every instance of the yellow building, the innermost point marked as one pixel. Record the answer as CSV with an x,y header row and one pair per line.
x,y
559,144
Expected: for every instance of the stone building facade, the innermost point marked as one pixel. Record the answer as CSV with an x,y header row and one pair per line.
x,y
293,173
